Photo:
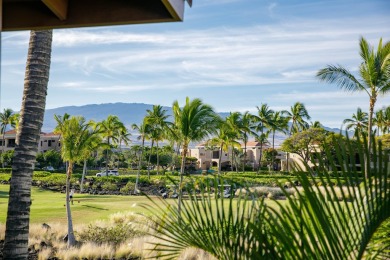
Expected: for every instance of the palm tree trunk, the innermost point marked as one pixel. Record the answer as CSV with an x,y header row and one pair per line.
x,y
261,154
183,162
219,160
368,159
82,178
71,237
3,147
31,119
243,166
108,143
139,166
150,157
158,159
273,148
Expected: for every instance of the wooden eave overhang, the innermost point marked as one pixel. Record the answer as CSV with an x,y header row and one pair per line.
x,y
52,14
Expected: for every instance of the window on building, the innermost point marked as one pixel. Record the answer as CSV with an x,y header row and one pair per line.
x,y
11,143
215,154
49,143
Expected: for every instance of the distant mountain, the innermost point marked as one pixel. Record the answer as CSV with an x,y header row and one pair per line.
x,y
128,113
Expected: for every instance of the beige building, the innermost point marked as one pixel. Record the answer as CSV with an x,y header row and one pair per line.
x,y
209,157
48,141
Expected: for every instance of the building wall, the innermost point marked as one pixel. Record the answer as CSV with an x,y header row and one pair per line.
x,y
47,142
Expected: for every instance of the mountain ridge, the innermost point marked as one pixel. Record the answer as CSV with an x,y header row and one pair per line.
x,y
128,113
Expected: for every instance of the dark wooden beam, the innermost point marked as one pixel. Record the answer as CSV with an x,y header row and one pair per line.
x,y
52,14
58,7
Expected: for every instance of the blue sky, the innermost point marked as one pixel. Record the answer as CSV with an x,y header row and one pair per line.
x,y
233,54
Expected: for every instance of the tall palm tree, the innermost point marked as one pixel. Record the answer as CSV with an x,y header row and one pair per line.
x,y
278,123
246,129
6,119
382,120
297,115
31,119
194,122
374,72
110,130
263,121
358,122
316,124
77,137
234,122
158,119
262,138
223,139
143,130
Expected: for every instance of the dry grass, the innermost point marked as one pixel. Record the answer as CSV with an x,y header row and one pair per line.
x,y
264,191
2,231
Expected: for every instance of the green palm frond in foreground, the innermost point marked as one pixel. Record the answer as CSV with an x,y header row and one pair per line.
x,y
333,214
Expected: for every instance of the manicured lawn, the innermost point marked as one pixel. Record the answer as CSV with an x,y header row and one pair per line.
x,y
48,206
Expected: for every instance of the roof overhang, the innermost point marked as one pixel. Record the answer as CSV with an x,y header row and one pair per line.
x,y
52,14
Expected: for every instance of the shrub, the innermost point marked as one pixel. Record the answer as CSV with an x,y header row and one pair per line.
x,y
109,186
128,188
111,235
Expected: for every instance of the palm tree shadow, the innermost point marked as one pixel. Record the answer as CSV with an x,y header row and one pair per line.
x,y
4,194
99,208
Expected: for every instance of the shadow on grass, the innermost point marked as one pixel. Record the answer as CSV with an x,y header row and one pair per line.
x,y
93,207
3,194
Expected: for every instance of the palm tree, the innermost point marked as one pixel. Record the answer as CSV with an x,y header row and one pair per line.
x,y
262,139
143,130
111,130
246,129
297,116
382,120
315,124
264,121
194,122
77,137
223,139
91,146
5,120
32,112
158,119
358,122
374,79
278,123
234,121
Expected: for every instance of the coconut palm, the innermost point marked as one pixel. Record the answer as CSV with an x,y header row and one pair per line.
x,y
77,138
158,119
194,122
110,129
246,130
143,130
382,120
263,121
374,72
95,142
278,123
6,119
234,122
358,122
223,139
315,124
262,138
379,121
297,115
32,112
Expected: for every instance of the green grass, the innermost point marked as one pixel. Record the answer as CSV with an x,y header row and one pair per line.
x,y
48,206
